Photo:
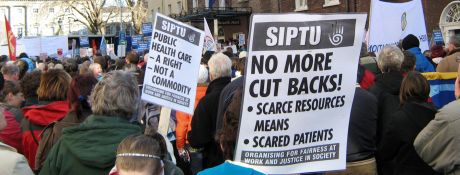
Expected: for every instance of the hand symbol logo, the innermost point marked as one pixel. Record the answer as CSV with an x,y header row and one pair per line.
x,y
337,35
191,37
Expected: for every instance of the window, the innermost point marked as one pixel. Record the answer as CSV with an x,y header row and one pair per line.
x,y
3,12
52,30
169,9
301,5
328,3
179,6
35,10
158,11
195,4
37,32
19,10
51,10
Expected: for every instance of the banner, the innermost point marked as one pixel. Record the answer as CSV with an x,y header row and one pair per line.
x,y
103,46
299,88
84,40
147,29
209,43
11,41
391,22
172,69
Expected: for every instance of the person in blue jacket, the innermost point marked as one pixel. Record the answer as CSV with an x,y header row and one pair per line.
x,y
412,44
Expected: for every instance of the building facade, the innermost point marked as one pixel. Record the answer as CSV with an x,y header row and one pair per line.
x,y
167,7
29,18
234,15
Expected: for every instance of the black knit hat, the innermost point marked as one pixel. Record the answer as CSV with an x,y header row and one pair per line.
x,y
410,41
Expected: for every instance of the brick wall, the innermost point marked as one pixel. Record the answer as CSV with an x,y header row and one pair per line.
x,y
432,8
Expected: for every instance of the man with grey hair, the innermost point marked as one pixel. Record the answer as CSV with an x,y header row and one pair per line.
x,y
450,62
90,148
10,72
204,117
386,89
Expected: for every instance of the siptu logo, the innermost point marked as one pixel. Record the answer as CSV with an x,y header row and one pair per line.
x,y
403,21
336,37
191,37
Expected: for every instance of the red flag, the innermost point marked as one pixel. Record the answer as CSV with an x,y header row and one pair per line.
x,y
94,46
11,40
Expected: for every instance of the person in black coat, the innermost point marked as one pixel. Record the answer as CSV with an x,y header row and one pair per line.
x,y
386,89
414,114
204,117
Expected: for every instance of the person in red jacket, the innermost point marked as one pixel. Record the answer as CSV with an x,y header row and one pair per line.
x,y
11,98
52,106
183,125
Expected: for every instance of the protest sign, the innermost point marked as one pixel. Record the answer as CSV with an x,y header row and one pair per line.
x,y
437,37
50,44
172,68
299,88
241,39
147,29
391,22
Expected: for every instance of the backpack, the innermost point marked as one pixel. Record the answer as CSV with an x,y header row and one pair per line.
x,y
49,136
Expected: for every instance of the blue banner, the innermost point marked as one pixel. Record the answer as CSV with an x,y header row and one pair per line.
x,y
147,29
437,37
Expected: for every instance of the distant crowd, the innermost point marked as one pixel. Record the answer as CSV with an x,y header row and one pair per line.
x,y
85,116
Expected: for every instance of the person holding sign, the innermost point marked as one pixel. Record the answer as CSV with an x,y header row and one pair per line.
x,y
204,117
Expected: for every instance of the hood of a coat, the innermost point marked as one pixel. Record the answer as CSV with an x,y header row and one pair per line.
x,y
94,143
46,114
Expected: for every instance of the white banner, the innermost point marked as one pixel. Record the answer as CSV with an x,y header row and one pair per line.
x,y
391,22
209,42
174,61
300,83
49,45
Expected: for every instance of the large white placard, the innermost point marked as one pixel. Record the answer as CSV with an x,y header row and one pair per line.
x,y
391,22
299,88
172,68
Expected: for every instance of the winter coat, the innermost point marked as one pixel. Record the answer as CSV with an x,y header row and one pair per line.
x,y
399,136
438,143
386,89
230,168
226,97
37,117
51,134
361,143
89,148
449,63
184,120
204,124
12,163
11,135
422,64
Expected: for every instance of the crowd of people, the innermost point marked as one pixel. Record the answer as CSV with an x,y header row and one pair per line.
x,y
85,116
